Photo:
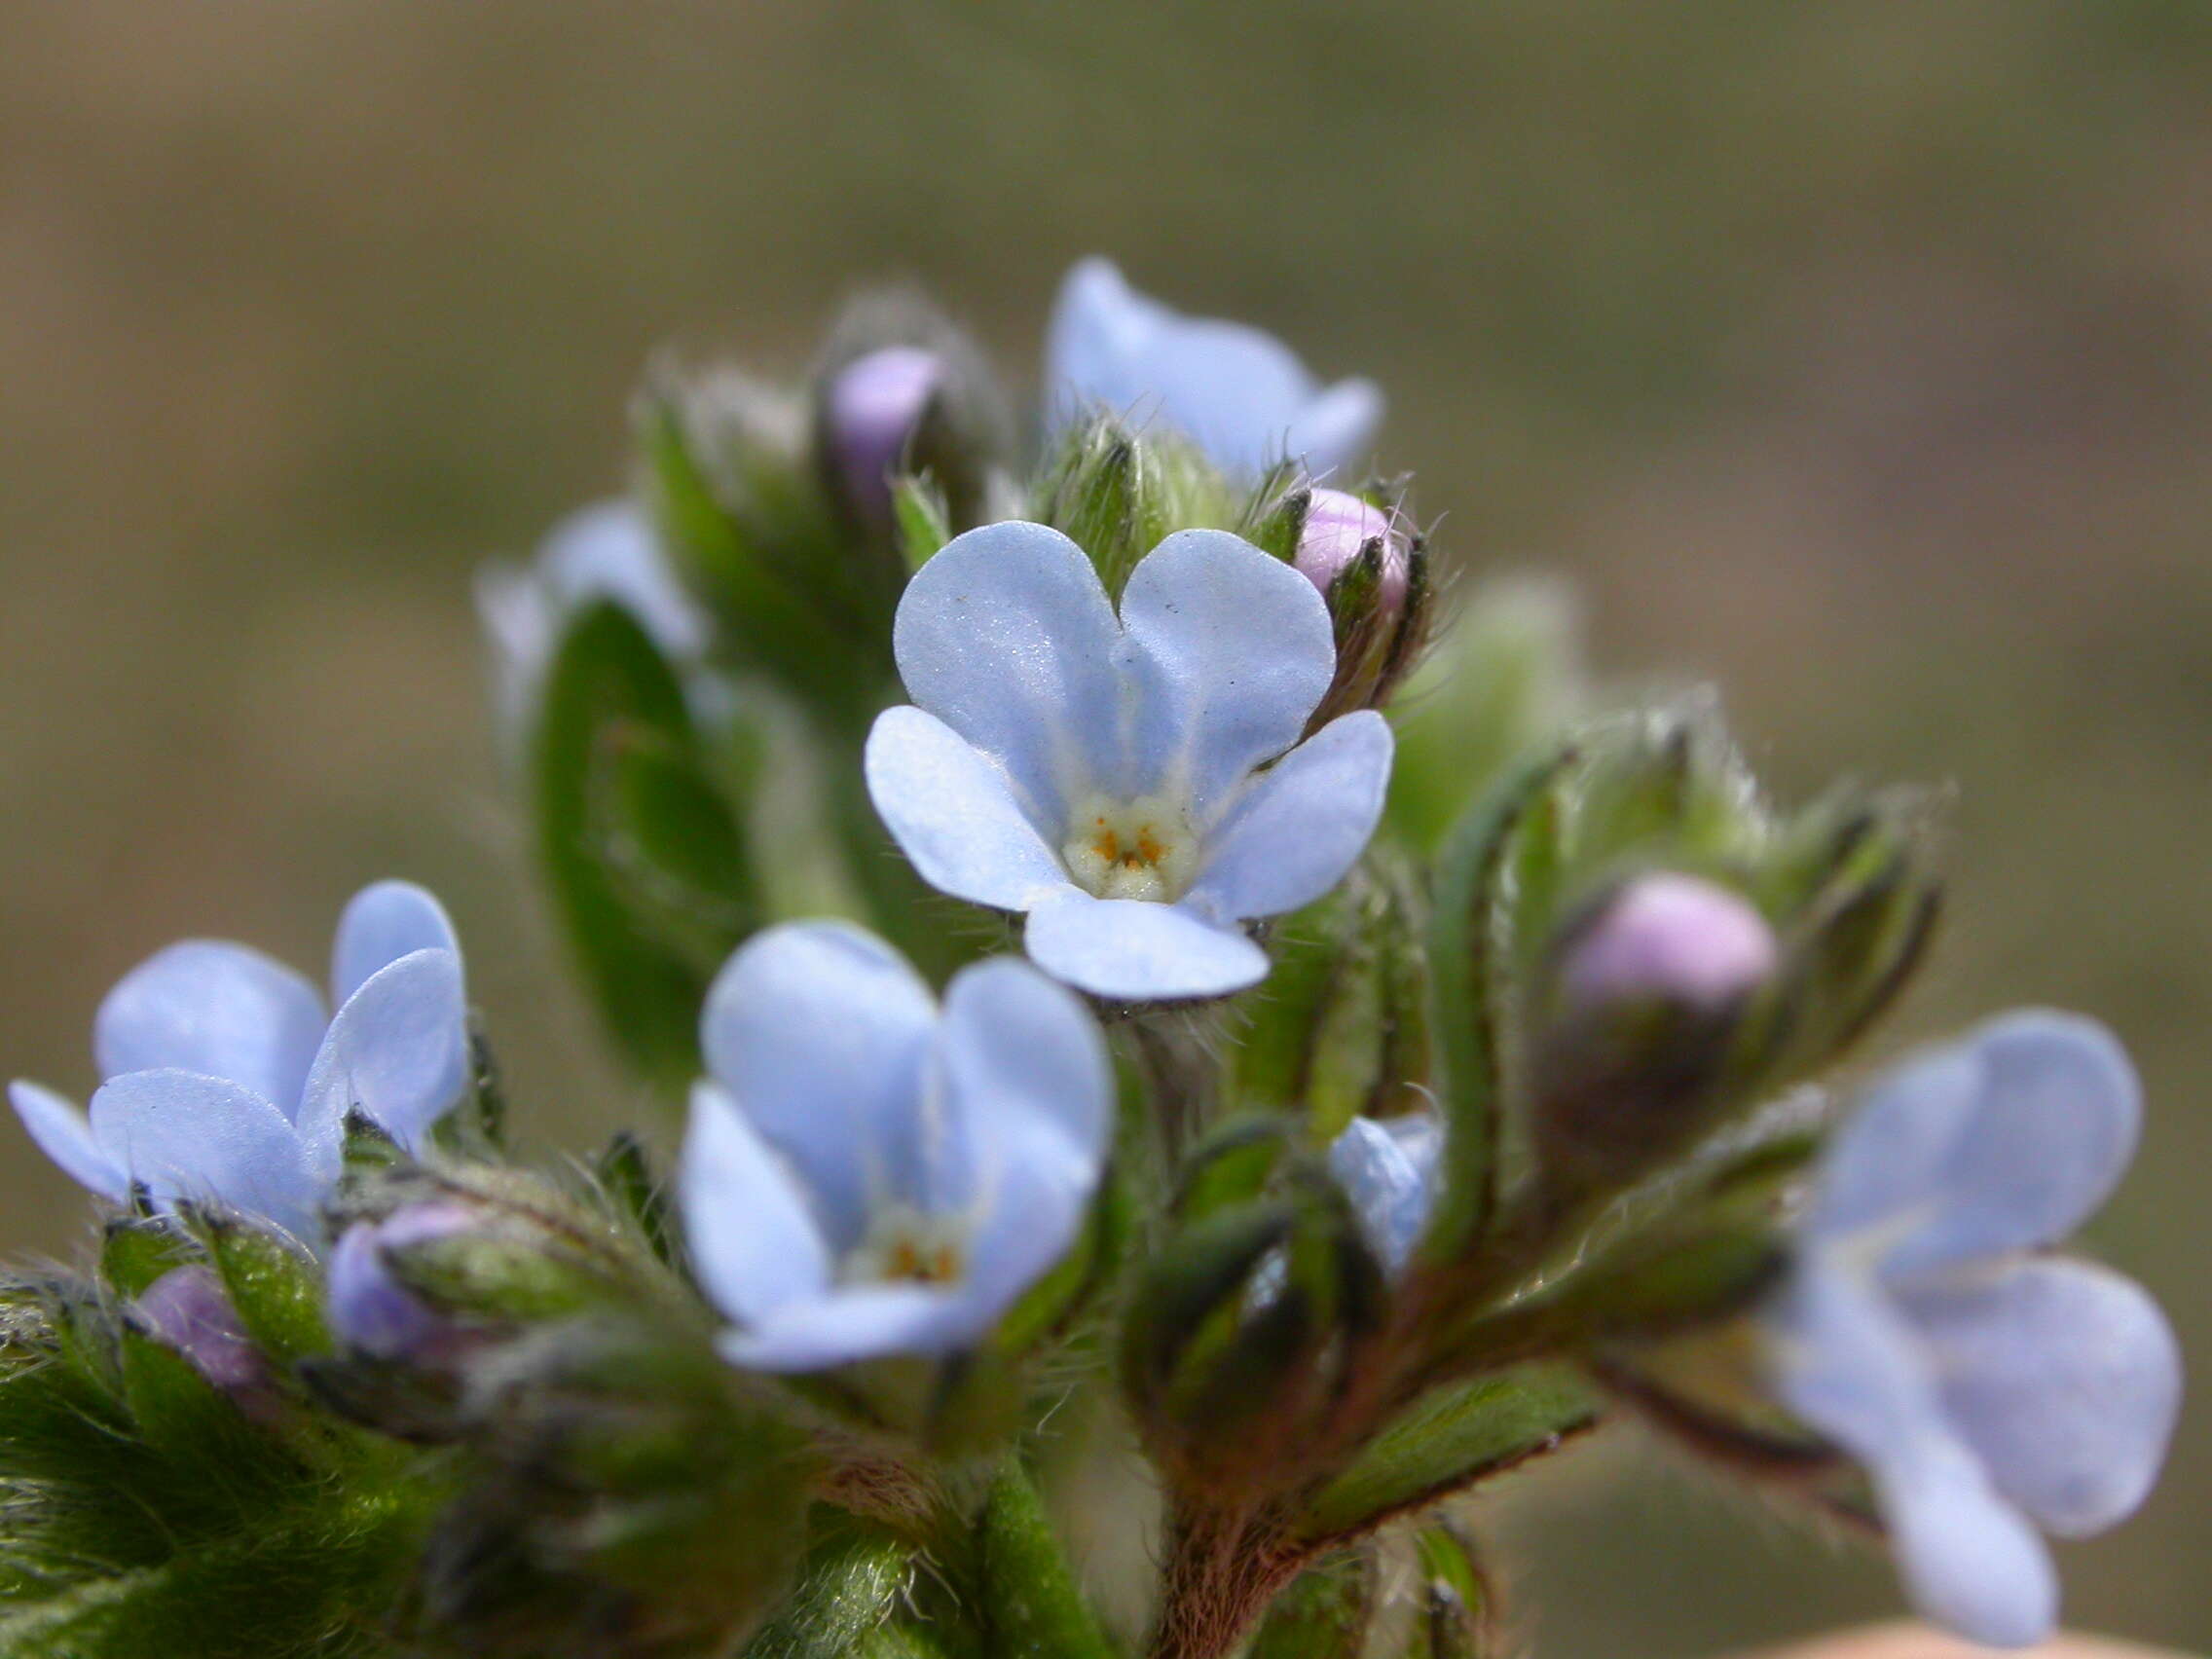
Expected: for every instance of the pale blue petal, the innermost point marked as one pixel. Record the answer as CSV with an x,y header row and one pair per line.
x,y
1228,653
1024,1068
1237,393
1337,428
1849,1364
382,923
1129,951
2066,1380
754,1247
821,1033
1969,1561
218,1008
397,1053
953,814
868,1321
64,1135
1391,1190
184,1135
1008,636
2003,1140
1301,825
609,551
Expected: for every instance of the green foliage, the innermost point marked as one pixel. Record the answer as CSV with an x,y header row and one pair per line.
x,y
149,1515
1117,493
1031,1600
1325,1613
1451,1440
645,863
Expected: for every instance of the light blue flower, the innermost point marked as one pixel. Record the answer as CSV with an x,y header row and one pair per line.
x,y
605,551
226,1078
867,1174
1987,1387
1136,786
1389,1168
1242,395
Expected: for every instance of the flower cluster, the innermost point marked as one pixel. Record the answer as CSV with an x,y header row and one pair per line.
x,y
1344,1150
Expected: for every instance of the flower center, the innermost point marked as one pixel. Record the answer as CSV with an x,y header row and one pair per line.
x,y
905,1246
1130,849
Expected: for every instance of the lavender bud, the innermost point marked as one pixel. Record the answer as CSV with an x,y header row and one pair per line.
x,y
1337,529
370,1310
188,1309
875,404
1670,938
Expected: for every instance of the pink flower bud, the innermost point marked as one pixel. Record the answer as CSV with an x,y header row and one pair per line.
x,y
187,1310
874,403
370,1310
1338,526
1670,938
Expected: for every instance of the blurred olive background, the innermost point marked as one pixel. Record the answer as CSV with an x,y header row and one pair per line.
x,y
1858,356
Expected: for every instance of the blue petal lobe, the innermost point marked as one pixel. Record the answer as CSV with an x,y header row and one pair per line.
x,y
218,1008
1130,951
397,1051
1301,825
755,1245
63,1133
382,923
821,1031
1008,638
194,1137
953,813
2066,1380
1228,653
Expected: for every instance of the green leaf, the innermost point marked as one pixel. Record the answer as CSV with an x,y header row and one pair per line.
x,y
1035,1608
918,509
1465,968
610,687
674,847
1455,1619
1453,1439
1324,1613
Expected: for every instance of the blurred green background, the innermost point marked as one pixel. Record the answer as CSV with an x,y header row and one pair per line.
x,y
1858,356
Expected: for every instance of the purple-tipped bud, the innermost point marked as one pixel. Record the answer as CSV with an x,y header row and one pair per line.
x,y
1338,526
188,1309
370,1311
1670,938
875,404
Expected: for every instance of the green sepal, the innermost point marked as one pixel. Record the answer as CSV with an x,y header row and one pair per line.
x,y
1033,1606
850,1587
275,1286
918,511
137,1250
625,1174
1234,1165
1117,493
608,689
1450,1441
1324,1614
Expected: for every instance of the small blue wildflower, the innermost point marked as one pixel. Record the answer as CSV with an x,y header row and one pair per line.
x,y
1388,1166
1136,786
1988,1389
370,1311
605,551
226,1079
1242,395
867,1174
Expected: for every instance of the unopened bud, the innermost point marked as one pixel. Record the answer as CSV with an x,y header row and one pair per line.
x,y
1668,938
188,1309
370,1310
1642,1010
1337,531
876,404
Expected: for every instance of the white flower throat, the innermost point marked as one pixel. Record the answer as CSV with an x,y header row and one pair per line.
x,y
1130,849
904,1245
